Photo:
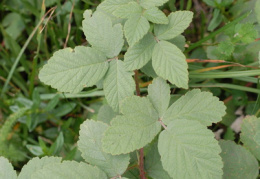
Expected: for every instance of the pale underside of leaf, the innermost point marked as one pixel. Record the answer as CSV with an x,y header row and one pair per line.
x,y
102,35
196,105
69,170
159,95
126,11
170,64
140,54
91,133
178,22
106,114
136,128
152,3
118,84
249,135
135,29
112,5
188,150
71,70
155,15
6,169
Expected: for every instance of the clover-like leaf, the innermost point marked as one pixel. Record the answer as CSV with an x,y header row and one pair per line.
x,y
238,162
102,35
159,95
118,84
140,54
188,150
170,64
71,70
90,135
6,169
178,22
250,135
134,129
196,105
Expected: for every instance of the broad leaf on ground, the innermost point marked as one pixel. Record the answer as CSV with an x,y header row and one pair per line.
x,y
196,105
134,129
250,137
118,84
6,169
189,150
238,162
69,170
140,54
159,95
71,70
178,22
156,16
102,35
135,28
90,135
37,164
170,63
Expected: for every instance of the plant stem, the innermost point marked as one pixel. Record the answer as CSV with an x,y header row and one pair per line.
x,y
141,151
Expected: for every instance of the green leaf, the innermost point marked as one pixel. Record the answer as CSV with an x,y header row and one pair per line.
x,y
71,70
140,54
238,162
257,10
156,16
37,164
170,63
226,48
159,95
106,114
216,20
6,169
111,5
90,135
102,35
148,70
179,41
188,150
178,22
250,135
127,10
245,33
135,29
137,127
196,105
69,170
153,164
151,3
118,84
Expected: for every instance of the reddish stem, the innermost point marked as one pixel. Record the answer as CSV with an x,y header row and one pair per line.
x,y
141,151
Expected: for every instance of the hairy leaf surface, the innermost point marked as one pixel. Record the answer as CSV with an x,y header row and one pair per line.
x,y
91,133
127,10
189,150
156,16
151,3
111,5
6,169
196,105
71,70
170,64
118,84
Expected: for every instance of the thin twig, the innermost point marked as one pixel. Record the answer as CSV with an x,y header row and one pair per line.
x,y
69,26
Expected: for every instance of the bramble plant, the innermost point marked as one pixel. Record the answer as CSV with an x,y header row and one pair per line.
x,y
163,139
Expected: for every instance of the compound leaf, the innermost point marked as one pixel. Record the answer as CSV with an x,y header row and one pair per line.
x,y
155,15
71,70
6,169
151,3
90,135
37,164
102,35
188,150
112,5
135,29
68,170
238,162
178,22
170,64
140,54
127,10
159,95
134,129
118,84
196,105
250,135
